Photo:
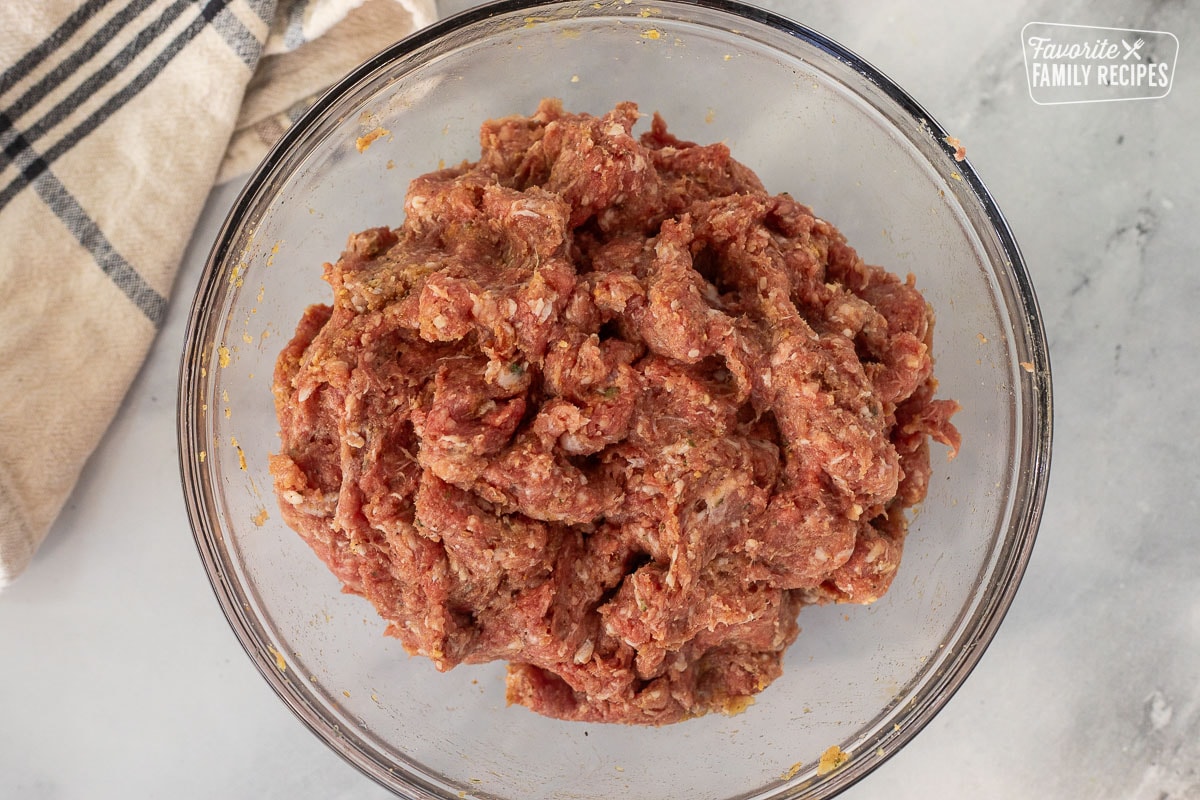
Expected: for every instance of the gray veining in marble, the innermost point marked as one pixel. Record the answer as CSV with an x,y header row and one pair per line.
x,y
1090,690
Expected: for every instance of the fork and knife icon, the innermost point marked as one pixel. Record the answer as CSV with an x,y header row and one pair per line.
x,y
1132,49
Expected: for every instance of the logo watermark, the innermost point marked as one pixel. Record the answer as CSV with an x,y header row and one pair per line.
x,y
1086,64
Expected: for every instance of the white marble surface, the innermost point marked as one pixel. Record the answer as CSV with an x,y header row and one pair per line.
x,y
119,677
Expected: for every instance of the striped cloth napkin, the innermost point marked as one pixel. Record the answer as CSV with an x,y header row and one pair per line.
x,y
116,118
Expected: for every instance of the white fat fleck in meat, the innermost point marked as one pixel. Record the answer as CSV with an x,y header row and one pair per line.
x,y
541,308
676,449
877,549
509,376
584,653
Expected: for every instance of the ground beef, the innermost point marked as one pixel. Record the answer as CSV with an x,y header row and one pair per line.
x,y
605,409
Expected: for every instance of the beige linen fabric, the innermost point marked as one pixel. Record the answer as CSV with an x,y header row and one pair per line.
x,y
116,116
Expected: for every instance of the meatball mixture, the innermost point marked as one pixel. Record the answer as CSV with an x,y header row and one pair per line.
x,y
604,409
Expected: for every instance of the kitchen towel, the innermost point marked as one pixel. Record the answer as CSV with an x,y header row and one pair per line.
x,y
116,118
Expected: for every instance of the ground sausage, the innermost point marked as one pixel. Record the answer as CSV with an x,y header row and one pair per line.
x,y
606,410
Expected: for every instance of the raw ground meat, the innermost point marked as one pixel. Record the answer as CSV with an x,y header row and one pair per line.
x,y
606,410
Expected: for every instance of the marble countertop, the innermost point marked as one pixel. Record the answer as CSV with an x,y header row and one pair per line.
x,y
120,678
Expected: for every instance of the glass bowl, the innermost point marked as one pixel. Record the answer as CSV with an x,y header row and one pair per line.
x,y
811,119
